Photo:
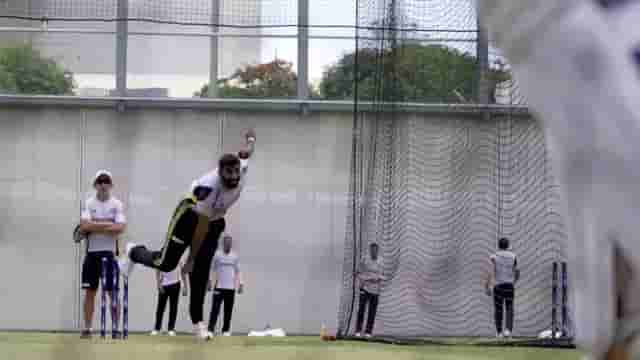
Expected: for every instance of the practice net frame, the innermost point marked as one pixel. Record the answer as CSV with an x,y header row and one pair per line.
x,y
436,193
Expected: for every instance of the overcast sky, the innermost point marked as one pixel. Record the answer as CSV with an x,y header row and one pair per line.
x,y
322,52
425,14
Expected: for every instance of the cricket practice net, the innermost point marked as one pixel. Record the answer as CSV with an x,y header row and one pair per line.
x,y
437,192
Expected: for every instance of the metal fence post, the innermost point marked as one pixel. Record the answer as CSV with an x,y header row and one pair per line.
x,y
482,49
303,50
214,47
122,29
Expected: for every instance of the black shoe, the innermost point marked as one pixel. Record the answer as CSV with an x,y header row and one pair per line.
x,y
85,334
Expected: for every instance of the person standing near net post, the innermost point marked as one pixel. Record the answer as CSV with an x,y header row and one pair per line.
x,y
101,221
503,274
228,280
169,285
197,223
370,276
576,63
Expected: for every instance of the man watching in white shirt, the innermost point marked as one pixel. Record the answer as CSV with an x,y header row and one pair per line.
x,y
101,221
228,280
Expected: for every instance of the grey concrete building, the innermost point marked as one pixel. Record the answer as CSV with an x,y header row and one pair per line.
x,y
178,63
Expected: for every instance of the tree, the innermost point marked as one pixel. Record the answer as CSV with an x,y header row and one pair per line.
x,y
275,79
23,70
408,72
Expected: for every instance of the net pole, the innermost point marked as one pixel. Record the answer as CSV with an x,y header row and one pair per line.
x,y
354,174
122,28
565,309
79,247
303,50
354,225
213,49
482,53
554,301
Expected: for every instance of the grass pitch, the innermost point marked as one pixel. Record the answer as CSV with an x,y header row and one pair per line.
x,y
32,346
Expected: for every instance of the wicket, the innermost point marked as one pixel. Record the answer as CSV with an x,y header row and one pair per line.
x,y
559,281
125,308
115,301
103,304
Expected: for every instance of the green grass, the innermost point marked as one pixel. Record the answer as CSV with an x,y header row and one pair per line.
x,y
32,346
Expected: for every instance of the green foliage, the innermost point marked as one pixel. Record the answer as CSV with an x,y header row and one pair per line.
x,y
23,70
275,79
409,72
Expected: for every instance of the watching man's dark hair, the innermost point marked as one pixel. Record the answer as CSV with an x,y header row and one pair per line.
x,y
503,243
373,244
228,160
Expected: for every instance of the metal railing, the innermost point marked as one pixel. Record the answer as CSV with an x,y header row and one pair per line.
x,y
283,105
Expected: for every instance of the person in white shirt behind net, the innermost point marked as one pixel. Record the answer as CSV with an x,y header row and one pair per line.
x,y
503,275
228,281
370,276
169,285
577,63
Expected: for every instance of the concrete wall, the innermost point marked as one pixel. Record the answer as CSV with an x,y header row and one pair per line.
x,y
289,224
453,170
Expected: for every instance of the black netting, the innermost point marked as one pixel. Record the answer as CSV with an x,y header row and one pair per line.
x,y
239,13
437,191
59,9
427,48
